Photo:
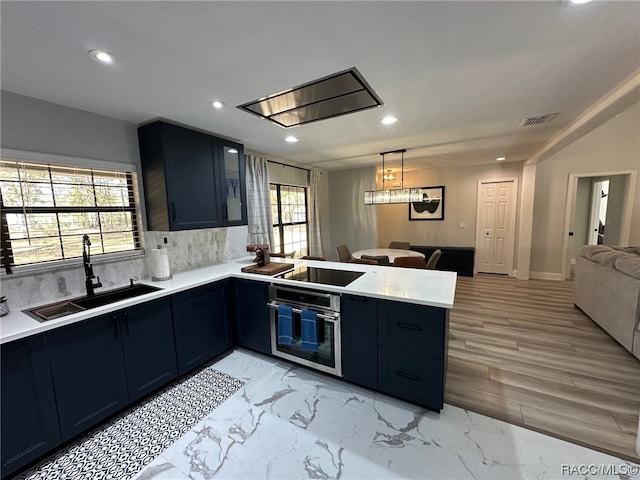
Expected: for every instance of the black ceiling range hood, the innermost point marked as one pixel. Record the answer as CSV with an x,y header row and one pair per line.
x,y
331,96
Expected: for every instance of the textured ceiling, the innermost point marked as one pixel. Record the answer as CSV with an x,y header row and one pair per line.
x,y
459,75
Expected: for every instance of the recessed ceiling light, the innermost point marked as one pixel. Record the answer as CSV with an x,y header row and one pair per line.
x,y
217,104
388,120
291,139
102,56
501,159
574,3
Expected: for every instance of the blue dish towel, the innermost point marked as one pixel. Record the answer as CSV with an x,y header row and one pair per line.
x,y
309,330
285,325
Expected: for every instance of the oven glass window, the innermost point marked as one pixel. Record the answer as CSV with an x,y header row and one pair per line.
x,y
326,354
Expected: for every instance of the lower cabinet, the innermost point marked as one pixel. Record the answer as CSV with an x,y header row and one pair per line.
x,y
202,324
396,348
29,417
88,372
59,384
412,352
410,376
102,364
358,318
149,346
251,313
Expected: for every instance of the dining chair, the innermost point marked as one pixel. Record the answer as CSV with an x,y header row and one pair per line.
x,y
344,254
379,259
410,262
400,245
433,259
310,257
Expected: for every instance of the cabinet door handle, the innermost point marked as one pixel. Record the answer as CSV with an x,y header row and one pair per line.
x,y
126,321
409,326
409,376
115,325
173,210
225,211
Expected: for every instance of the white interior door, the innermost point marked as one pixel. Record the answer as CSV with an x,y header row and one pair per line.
x,y
496,227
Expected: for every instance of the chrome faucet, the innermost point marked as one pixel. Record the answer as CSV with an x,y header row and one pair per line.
x,y
88,268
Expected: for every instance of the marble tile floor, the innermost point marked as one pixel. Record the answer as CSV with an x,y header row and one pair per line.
x,y
288,422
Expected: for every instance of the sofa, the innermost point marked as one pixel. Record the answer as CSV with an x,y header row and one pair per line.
x,y
607,289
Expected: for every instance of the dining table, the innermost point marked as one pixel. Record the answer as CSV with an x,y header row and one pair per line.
x,y
392,253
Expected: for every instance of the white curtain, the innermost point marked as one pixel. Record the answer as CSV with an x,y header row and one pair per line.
x,y
315,239
260,224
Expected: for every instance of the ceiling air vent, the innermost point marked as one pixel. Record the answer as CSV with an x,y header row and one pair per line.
x,y
338,94
537,120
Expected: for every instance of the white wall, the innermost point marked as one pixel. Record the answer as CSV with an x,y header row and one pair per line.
x,y
369,226
614,146
461,190
38,126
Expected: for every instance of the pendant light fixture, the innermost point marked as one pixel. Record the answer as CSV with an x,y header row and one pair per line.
x,y
394,195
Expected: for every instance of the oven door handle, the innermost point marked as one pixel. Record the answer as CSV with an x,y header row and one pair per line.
x,y
333,317
318,294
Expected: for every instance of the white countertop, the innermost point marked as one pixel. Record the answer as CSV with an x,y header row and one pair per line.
x,y
425,287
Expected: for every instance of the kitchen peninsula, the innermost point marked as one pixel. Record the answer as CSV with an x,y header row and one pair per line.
x,y
392,337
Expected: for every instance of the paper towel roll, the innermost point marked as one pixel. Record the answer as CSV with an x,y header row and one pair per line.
x,y
160,265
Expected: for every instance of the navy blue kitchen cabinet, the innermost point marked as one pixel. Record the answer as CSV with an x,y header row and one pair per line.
x,y
29,417
102,364
412,352
149,346
88,370
251,314
360,340
191,179
202,324
410,376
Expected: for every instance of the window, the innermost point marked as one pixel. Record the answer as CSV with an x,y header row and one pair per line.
x,y
46,209
289,211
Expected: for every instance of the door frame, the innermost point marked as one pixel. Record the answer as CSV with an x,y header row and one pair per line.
x,y
514,218
570,209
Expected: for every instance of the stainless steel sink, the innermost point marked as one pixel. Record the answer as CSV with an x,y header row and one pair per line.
x,y
67,307
56,310
115,295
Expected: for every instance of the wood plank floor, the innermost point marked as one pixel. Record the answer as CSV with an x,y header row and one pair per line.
x,y
519,351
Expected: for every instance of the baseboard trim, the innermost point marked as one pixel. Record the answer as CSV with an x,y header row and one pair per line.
x,y
546,276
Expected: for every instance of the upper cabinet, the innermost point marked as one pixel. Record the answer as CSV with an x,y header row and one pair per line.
x,y
232,171
191,179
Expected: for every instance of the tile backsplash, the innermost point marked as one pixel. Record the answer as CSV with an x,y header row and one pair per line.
x,y
187,250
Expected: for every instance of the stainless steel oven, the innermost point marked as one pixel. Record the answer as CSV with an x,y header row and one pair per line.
x,y
328,357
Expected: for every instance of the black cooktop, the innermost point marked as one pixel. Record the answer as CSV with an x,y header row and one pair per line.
x,y
326,276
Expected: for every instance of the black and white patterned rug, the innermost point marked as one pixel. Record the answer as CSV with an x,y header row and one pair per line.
x,y
127,443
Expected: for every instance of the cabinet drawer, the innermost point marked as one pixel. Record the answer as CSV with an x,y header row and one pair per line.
x,y
412,328
412,377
